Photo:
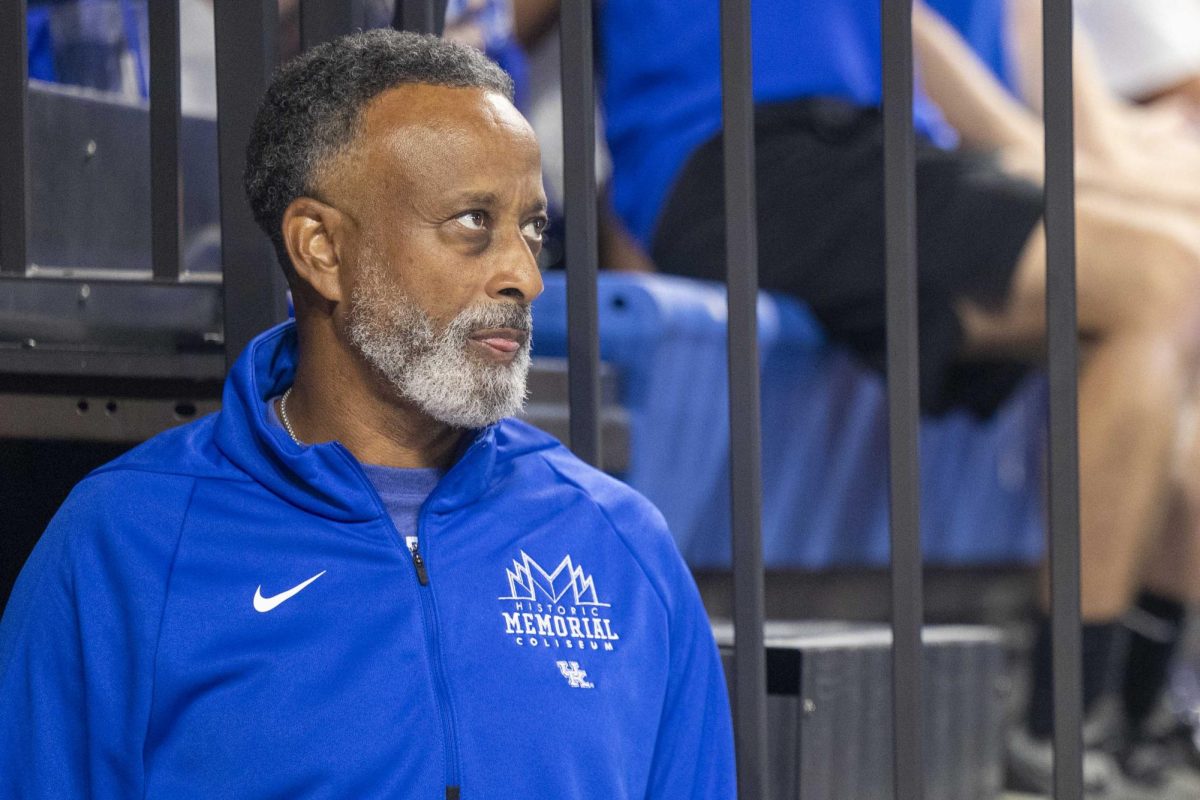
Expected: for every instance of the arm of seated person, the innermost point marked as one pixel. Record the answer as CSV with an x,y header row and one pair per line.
x,y
1115,133
972,100
989,116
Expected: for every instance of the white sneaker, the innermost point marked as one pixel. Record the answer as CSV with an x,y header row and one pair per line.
x,y
1031,768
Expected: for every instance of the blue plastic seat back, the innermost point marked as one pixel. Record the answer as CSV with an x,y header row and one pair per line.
x,y
824,435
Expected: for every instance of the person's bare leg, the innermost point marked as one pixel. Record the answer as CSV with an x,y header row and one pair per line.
x,y
1171,563
1172,568
1138,303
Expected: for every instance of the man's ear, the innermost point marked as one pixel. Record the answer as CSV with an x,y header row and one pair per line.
x,y
314,233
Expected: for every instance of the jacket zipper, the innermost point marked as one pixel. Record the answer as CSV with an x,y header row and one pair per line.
x,y
419,562
429,613
429,617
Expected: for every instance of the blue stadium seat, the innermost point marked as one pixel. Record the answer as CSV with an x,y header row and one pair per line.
x,y
824,442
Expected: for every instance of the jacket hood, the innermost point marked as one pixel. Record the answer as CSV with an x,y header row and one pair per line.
x,y
323,479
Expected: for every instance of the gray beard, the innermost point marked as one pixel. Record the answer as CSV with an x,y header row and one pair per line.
x,y
432,368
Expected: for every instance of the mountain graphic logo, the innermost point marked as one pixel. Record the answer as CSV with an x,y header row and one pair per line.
x,y
528,581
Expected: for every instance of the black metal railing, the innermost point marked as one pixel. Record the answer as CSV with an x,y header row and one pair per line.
x,y
164,142
903,391
745,428
321,22
14,72
23,285
579,173
246,50
1062,345
422,16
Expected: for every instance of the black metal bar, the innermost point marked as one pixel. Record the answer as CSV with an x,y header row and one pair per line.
x,y
903,390
1063,355
422,16
745,430
164,140
579,174
255,298
324,20
13,167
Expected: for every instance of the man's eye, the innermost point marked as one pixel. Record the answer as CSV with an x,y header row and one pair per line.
x,y
472,220
534,228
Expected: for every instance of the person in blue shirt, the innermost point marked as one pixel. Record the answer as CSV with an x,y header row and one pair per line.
x,y
360,578
980,244
984,39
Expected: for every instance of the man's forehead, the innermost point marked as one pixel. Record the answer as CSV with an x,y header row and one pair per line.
x,y
420,111
443,140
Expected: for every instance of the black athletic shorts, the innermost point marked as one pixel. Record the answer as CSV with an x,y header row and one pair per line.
x,y
821,236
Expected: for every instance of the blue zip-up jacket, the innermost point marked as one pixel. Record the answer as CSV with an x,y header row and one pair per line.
x,y
167,638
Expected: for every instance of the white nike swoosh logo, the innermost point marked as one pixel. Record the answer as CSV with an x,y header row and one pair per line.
x,y
264,604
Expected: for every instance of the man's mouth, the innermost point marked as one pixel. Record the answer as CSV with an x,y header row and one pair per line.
x,y
500,344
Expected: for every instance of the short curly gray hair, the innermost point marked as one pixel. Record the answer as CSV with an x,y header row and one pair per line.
x,y
312,109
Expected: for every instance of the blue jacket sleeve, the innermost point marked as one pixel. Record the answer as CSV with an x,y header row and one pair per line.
x,y
693,756
77,644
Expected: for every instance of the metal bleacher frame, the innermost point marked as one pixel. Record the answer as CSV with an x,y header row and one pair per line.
x,y
78,390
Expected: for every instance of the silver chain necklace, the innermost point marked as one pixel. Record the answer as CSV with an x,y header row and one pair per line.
x,y
283,415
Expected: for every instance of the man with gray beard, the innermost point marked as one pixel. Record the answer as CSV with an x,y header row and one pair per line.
x,y
360,578
432,369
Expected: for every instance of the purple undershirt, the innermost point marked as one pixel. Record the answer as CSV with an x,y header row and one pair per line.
x,y
402,489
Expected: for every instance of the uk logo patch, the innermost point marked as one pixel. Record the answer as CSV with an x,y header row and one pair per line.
x,y
576,677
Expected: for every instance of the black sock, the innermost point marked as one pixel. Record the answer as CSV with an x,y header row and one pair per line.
x,y
1154,624
1099,641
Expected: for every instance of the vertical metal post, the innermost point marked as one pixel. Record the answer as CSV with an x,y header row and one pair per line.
x,y
903,390
14,72
1063,346
745,445
422,16
324,20
579,173
164,139
246,33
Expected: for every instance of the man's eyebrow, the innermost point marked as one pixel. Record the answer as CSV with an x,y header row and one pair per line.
x,y
491,200
476,199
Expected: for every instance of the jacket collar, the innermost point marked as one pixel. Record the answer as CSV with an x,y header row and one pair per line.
x,y
323,479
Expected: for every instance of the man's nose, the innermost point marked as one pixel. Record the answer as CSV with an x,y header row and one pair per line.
x,y
516,273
